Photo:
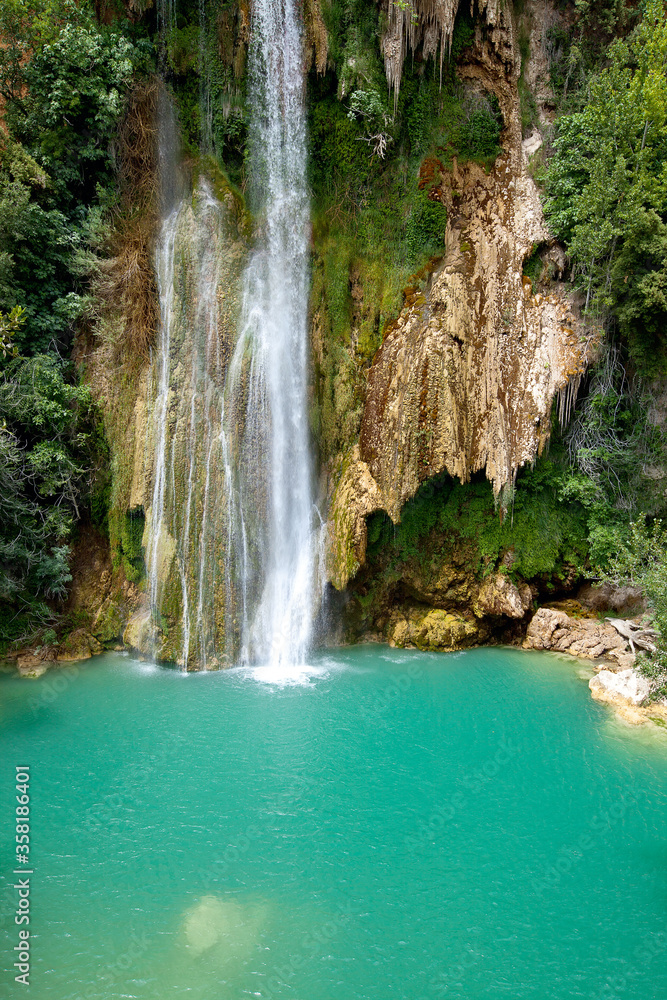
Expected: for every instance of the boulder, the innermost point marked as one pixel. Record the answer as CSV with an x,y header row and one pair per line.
x,y
586,637
628,685
79,645
499,596
32,665
622,600
432,629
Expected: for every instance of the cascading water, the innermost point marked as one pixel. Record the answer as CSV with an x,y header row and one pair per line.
x,y
267,425
230,546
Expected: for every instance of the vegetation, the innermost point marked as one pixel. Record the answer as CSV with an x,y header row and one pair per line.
x,y
616,455
642,561
543,535
64,81
607,191
51,464
376,166
78,100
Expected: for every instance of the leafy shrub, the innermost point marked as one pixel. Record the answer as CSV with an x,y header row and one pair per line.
x,y
607,190
542,531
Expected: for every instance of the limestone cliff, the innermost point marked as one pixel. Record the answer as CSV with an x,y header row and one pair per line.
x,y
466,376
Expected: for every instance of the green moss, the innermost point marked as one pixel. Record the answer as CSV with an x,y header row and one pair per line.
x,y
110,624
225,191
538,536
533,266
463,34
526,98
131,550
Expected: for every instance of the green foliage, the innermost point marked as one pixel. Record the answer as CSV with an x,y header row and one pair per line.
x,y
202,57
607,187
425,227
642,561
533,266
612,445
540,535
56,163
526,98
49,454
463,34
131,550
353,30
63,80
480,130
71,108
10,326
26,26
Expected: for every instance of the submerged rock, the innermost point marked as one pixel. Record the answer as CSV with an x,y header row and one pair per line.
x,y
33,665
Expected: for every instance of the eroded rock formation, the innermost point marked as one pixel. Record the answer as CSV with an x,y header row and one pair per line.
x,y
466,376
585,637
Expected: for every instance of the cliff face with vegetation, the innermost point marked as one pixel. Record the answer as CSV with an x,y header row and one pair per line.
x,y
467,371
487,302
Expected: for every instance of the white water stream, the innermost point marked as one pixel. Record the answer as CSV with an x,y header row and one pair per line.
x,y
275,470
232,534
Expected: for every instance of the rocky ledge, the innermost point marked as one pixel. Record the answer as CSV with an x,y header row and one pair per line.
x,y
589,638
79,645
616,682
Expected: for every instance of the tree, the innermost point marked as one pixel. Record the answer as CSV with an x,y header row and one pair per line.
x,y
607,188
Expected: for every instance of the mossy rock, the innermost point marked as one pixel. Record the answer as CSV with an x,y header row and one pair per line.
x,y
109,623
431,630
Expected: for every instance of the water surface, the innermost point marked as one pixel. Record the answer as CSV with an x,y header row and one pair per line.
x,y
382,824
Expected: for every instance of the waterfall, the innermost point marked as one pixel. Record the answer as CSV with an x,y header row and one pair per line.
x,y
267,426
230,538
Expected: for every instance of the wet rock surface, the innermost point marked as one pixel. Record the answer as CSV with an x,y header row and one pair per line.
x,y
432,629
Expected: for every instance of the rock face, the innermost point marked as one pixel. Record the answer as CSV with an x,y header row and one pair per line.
x,y
499,596
622,600
431,629
465,378
141,634
585,637
463,382
437,603
627,685
357,495
79,645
